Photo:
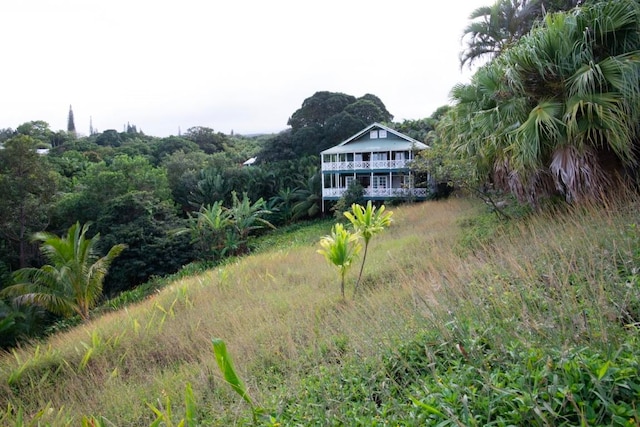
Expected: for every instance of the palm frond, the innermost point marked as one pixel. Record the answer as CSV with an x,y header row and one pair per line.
x,y
542,129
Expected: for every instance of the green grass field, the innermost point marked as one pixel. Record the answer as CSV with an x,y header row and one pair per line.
x,y
462,320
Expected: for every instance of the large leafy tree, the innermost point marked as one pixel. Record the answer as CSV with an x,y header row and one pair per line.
x,y
144,223
325,119
207,139
36,129
317,109
27,186
105,181
72,281
557,112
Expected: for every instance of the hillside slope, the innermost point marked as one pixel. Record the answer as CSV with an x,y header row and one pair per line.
x,y
536,284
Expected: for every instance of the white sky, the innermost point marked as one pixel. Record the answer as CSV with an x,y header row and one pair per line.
x,y
241,65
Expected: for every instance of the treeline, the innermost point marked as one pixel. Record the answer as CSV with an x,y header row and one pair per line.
x,y
170,200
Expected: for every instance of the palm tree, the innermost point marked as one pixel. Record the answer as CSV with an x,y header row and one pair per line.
x,y
495,28
557,112
309,196
72,282
284,202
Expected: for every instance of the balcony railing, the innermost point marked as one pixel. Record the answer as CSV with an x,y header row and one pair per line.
x,y
379,192
368,164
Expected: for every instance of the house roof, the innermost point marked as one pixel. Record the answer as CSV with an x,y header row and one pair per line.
x,y
395,141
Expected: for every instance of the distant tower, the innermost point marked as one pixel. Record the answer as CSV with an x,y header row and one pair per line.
x,y
91,125
71,126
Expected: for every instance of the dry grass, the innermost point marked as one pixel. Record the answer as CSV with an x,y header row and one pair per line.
x,y
281,315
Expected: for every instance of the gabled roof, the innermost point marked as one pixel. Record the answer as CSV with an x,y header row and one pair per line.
x,y
395,141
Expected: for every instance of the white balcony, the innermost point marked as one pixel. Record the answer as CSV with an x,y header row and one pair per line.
x,y
378,192
368,164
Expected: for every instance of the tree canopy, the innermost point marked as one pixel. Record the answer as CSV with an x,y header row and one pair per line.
x,y
324,120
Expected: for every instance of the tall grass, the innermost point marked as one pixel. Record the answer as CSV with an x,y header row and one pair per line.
x,y
551,281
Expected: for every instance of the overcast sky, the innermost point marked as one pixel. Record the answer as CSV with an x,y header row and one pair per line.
x,y
229,65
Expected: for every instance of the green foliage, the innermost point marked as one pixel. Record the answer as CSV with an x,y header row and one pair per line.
x,y
310,196
183,172
209,229
282,204
323,120
340,248
353,195
206,138
219,231
535,386
418,129
105,181
109,138
570,131
429,381
36,129
493,29
164,413
27,187
18,322
247,217
72,283
144,223
367,222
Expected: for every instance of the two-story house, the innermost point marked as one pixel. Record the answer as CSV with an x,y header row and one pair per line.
x,y
378,158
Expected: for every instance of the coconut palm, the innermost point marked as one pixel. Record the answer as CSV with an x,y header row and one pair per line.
x,y
72,281
493,29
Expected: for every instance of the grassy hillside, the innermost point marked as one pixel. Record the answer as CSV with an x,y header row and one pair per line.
x,y
462,321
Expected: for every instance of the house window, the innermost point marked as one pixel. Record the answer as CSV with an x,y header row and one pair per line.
x,y
373,134
349,180
379,182
379,156
382,133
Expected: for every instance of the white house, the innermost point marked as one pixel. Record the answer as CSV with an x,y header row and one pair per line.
x,y
378,157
